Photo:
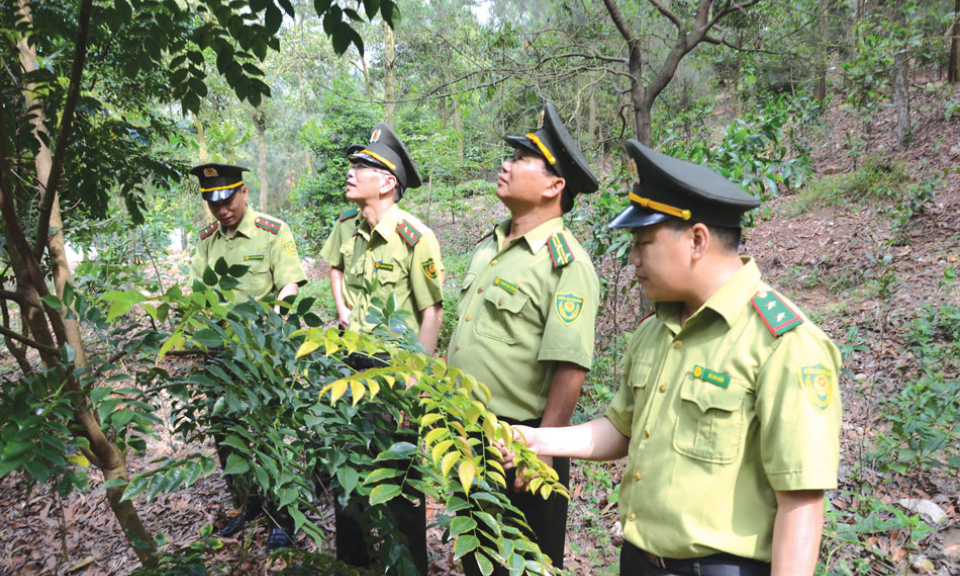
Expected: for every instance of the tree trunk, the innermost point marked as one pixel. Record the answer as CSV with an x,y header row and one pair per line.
x,y
458,128
823,21
204,158
592,122
389,94
307,152
901,95
44,163
953,69
260,120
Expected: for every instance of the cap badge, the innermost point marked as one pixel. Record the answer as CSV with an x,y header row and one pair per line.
x,y
210,172
375,137
634,172
540,119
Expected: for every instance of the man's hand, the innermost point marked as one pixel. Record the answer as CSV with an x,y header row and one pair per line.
x,y
521,480
343,317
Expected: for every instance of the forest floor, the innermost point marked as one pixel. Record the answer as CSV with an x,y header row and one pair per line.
x,y
869,252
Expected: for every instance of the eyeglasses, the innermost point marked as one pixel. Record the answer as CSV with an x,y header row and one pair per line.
x,y
357,167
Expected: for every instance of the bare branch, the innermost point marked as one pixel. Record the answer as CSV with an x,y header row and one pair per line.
x,y
31,343
728,10
681,27
618,20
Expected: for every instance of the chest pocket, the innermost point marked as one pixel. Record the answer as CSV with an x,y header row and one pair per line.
x,y
501,316
712,421
257,280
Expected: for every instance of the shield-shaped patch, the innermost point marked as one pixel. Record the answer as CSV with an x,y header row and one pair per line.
x,y
817,384
289,247
568,307
429,268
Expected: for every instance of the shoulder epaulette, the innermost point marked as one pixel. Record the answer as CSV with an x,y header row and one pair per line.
x,y
348,214
487,235
409,234
776,314
560,252
208,230
271,226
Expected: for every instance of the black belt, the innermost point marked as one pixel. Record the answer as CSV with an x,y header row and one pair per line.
x,y
714,565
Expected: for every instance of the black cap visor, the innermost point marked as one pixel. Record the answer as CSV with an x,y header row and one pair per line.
x,y
635,217
218,195
523,142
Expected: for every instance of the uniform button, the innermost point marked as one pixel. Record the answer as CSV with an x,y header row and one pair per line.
x,y
500,302
663,388
457,347
645,432
493,262
678,344
637,476
632,516
480,290
469,317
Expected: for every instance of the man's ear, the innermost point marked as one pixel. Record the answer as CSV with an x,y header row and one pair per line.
x,y
555,189
700,240
389,184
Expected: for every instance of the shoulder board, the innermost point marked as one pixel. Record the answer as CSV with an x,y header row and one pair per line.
x,y
208,230
560,252
271,226
348,214
409,234
776,314
487,235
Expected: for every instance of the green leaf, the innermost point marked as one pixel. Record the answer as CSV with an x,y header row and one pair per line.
x,y
52,301
236,465
486,566
221,267
288,496
208,338
114,483
381,474
462,524
273,19
348,478
384,493
399,451
465,544
137,485
209,276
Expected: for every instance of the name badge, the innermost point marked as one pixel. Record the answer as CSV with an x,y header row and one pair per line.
x,y
711,376
253,257
508,286
383,266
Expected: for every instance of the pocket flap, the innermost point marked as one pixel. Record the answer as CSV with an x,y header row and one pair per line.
x,y
506,302
467,281
711,397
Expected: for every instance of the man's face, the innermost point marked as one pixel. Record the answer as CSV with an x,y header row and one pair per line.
x,y
523,178
661,257
365,183
230,212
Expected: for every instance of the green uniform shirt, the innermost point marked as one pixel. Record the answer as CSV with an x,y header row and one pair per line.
x,y
261,242
523,308
720,414
400,252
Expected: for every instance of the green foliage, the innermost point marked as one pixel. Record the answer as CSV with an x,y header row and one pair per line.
x,y
878,178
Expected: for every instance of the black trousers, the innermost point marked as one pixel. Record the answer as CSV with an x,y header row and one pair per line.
x,y
547,518
411,519
636,562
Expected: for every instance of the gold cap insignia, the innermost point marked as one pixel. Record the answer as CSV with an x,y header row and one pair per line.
x,y
540,119
210,172
375,137
634,172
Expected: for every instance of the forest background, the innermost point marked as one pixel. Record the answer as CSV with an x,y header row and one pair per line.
x,y
842,116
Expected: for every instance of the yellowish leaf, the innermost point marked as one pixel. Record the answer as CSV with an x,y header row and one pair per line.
x,y
459,427
486,391
468,472
80,460
358,390
430,419
374,388
547,491
440,449
337,390
390,380
535,484
448,461
498,478
306,348
494,464
435,434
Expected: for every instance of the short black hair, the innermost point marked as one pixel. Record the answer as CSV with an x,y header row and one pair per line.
x,y
728,238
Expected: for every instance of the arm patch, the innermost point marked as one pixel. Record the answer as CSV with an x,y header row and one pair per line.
x,y
208,230
409,234
348,214
271,226
560,253
776,314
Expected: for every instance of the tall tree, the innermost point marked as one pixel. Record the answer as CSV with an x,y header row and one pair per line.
x,y
953,68
689,34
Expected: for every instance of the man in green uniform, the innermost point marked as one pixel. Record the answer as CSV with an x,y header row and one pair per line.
x,y
528,305
241,235
377,241
729,409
